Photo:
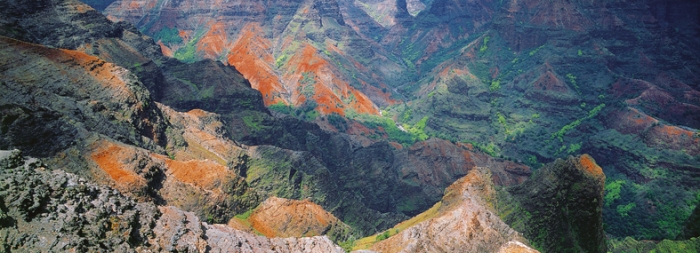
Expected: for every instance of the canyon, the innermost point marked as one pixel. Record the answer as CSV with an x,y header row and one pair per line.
x,y
332,126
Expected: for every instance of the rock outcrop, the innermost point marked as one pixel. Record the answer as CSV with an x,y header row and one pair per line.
x,y
463,221
74,95
559,209
50,210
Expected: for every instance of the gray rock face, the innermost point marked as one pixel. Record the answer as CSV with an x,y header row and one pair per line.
x,y
53,211
182,231
60,96
48,211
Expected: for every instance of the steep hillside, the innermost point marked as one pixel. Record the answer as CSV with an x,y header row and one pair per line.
x,y
543,80
268,43
277,217
559,209
364,112
108,127
463,221
50,210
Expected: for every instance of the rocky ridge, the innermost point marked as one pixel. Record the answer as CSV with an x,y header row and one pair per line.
x,y
560,207
194,159
463,221
50,210
259,42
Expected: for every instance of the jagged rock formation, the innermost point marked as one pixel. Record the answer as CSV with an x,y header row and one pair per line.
x,y
526,80
50,210
463,221
559,209
122,138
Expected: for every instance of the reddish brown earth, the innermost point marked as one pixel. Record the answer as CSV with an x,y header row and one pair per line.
x,y
251,55
115,160
667,101
257,47
543,83
666,98
590,167
277,217
630,121
329,90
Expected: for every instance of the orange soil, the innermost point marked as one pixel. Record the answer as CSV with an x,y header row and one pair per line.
x,y
214,42
201,173
674,138
251,56
185,35
103,72
631,121
135,4
82,8
108,158
165,49
590,166
675,132
197,113
277,217
396,145
329,88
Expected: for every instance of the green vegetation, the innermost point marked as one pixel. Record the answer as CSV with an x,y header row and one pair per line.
x,y
187,53
534,51
418,130
168,36
490,149
574,147
630,245
572,81
281,60
623,210
501,119
253,121
409,135
495,85
484,46
347,245
308,82
282,108
612,190
337,121
592,113
383,236
245,216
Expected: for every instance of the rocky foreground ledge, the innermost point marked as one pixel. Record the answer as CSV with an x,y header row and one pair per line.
x,y
44,210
